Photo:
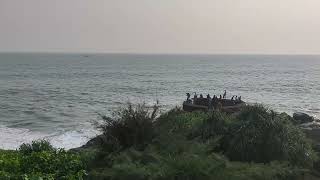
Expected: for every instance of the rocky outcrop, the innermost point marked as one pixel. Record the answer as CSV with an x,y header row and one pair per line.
x,y
93,143
302,118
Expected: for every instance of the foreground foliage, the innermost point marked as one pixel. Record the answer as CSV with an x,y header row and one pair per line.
x,y
260,143
256,144
261,135
130,126
40,160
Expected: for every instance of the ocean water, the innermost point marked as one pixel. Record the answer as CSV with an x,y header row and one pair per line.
x,y
59,96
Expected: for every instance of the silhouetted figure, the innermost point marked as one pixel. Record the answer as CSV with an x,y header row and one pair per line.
x,y
220,97
215,101
232,98
188,96
208,96
239,98
195,97
224,94
214,98
209,103
201,96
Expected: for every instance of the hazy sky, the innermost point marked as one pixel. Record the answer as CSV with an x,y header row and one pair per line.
x,y
161,26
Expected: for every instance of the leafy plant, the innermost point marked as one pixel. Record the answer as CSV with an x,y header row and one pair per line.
x,y
262,135
40,160
36,146
130,126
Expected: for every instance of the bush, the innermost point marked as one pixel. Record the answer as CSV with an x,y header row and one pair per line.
x,y
261,135
40,160
59,164
36,146
9,162
189,166
254,171
130,126
216,124
179,122
213,130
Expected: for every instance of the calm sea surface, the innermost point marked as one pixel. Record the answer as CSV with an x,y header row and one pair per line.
x,y
58,96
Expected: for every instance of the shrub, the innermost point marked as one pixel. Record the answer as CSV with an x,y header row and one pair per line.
x,y
60,164
130,126
36,146
40,160
261,135
9,162
182,148
271,171
179,122
213,130
189,166
215,125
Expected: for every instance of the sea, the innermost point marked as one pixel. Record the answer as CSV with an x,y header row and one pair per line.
x,y
60,97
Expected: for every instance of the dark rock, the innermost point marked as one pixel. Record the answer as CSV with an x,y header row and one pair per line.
x,y
302,117
97,141
93,143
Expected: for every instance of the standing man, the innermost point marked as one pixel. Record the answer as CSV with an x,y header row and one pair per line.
x,y
224,94
188,96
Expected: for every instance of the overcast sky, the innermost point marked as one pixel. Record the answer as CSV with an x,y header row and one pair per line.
x,y
161,26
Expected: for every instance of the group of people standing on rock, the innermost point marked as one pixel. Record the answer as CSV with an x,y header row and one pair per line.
x,y
214,98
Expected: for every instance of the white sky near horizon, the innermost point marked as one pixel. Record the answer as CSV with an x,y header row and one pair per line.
x,y
161,26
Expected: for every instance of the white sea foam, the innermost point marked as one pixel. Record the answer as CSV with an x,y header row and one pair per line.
x,y
12,138
72,139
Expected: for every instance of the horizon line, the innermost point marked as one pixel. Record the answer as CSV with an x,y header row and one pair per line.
x,y
146,53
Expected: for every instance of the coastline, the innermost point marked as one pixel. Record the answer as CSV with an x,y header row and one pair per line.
x,y
179,141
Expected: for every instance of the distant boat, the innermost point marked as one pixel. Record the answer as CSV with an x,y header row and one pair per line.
x,y
202,104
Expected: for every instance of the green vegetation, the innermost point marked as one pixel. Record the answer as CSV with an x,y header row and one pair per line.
x,y
39,160
130,126
256,144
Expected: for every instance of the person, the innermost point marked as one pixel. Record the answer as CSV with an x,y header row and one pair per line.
x,y
224,94
208,96
239,99
201,96
214,101
232,98
195,97
188,96
220,97
209,103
